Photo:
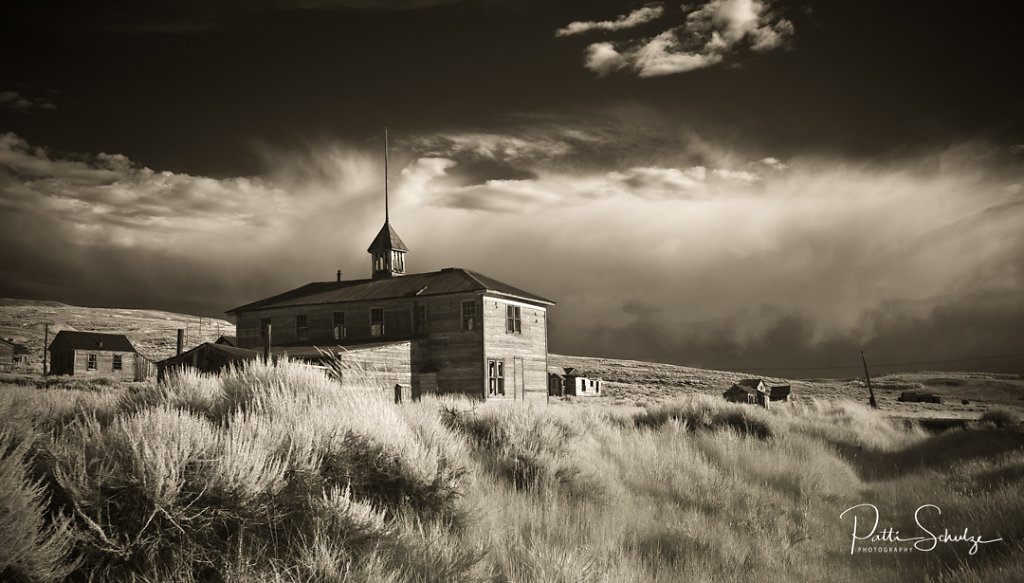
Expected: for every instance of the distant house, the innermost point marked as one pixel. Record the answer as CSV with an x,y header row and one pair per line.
x,y
227,340
780,393
581,383
572,382
93,353
12,354
208,357
556,381
751,391
919,397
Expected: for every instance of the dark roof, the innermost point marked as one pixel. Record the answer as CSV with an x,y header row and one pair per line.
x,y
228,352
744,388
387,239
18,348
92,341
447,281
227,340
752,383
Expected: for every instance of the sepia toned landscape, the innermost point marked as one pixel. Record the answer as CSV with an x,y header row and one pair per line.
x,y
281,473
511,291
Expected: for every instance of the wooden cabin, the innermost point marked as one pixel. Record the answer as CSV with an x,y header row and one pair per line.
x,y
6,354
581,383
467,333
750,391
93,353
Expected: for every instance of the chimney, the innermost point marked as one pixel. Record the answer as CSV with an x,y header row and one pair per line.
x,y
181,341
339,275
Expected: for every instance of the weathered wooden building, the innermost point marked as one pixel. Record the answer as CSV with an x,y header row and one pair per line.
x,y
7,354
571,381
465,333
752,391
93,353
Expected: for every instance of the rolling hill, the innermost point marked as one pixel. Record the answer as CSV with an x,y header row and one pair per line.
x,y
626,382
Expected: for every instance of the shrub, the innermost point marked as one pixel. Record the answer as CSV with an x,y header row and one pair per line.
x,y
702,412
32,547
1000,417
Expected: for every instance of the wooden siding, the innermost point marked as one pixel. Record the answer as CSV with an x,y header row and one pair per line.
x,y
381,365
524,353
76,362
456,355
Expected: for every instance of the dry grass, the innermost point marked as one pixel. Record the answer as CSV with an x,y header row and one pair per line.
x,y
278,473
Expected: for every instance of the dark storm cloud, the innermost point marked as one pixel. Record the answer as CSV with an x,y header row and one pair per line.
x,y
17,102
747,262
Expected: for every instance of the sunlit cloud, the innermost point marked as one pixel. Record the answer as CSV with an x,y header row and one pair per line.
x,y
712,33
634,18
749,255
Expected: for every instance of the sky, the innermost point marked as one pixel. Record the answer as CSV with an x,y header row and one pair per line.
x,y
757,185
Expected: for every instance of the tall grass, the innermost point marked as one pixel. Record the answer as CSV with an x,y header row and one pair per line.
x,y
278,472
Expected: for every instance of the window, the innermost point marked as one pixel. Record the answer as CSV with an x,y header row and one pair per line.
x,y
376,321
419,319
513,319
469,315
264,330
117,362
495,377
338,325
91,365
301,327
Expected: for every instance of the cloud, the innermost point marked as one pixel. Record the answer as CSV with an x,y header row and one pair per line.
x,y
16,101
602,58
729,261
712,33
633,19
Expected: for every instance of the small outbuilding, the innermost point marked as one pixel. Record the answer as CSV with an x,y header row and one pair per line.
x,y
93,353
781,393
11,354
556,381
581,383
227,340
919,397
208,357
751,391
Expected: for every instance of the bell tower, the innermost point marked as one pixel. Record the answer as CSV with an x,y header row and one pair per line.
x,y
387,250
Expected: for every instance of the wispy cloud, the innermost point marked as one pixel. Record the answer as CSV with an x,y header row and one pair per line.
x,y
16,101
751,257
633,19
712,33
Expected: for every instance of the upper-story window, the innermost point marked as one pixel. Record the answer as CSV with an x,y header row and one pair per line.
x,y
469,315
301,327
514,319
117,362
419,319
91,363
338,325
376,321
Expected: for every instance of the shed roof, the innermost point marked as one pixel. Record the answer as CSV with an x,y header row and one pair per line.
x,y
97,341
446,281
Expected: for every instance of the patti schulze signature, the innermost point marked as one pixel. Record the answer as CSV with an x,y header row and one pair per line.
x,y
925,543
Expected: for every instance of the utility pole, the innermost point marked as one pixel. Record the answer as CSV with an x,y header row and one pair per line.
x,y
871,392
46,342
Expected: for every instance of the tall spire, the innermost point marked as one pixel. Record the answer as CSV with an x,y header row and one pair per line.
x,y
387,250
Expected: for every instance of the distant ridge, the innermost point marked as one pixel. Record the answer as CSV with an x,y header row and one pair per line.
x,y
152,332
